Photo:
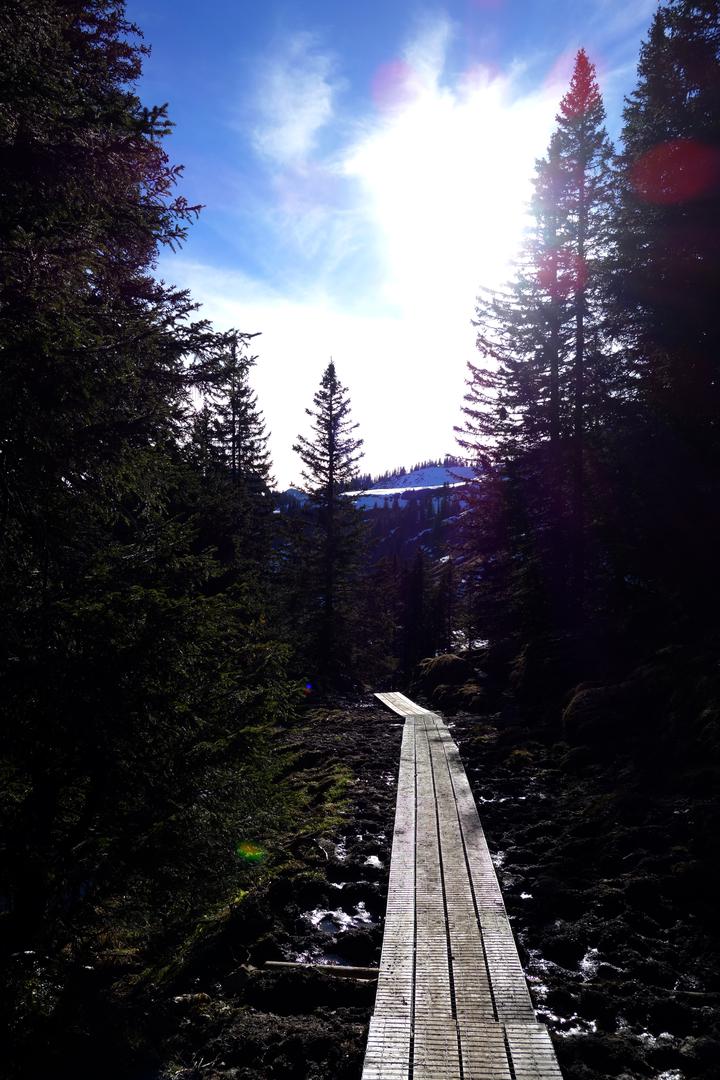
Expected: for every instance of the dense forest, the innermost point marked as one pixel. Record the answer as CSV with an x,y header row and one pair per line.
x,y
172,623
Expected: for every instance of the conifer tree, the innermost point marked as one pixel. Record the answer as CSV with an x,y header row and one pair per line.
x,y
125,688
587,199
330,456
241,470
240,427
670,245
666,291
546,373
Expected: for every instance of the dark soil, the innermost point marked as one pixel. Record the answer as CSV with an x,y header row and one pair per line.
x,y
607,874
609,878
607,881
228,1016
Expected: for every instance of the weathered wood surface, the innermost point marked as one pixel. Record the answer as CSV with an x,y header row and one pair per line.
x,y
452,1002
340,971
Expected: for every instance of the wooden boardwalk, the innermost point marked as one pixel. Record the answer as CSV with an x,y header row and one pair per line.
x,y
452,1002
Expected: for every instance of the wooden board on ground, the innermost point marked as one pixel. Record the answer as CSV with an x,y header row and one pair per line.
x,y
452,1001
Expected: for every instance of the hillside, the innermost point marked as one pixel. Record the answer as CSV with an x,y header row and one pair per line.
x,y
397,487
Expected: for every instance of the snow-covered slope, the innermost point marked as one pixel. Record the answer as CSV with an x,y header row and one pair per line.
x,y
429,478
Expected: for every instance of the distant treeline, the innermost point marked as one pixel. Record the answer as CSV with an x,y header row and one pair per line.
x,y
364,481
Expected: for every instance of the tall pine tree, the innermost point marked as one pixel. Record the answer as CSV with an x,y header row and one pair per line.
x,y
236,498
126,687
671,208
547,373
330,456
666,294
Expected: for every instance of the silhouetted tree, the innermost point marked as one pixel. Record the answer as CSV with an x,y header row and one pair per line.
x,y
126,687
666,289
239,475
330,456
548,368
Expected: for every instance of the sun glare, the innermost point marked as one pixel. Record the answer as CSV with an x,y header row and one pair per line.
x,y
445,184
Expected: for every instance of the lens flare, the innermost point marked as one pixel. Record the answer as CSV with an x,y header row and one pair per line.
x,y
394,84
676,171
561,273
249,852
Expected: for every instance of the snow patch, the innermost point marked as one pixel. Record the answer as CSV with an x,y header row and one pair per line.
x,y
590,963
338,921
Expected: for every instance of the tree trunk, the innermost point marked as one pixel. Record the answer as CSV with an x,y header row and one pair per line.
x,y
578,510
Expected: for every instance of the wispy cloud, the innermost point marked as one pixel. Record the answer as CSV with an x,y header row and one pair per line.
x,y
426,51
295,97
445,176
383,226
622,23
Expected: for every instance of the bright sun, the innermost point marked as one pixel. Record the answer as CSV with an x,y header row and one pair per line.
x,y
446,183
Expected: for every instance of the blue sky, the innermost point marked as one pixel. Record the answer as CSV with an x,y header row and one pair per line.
x,y
364,169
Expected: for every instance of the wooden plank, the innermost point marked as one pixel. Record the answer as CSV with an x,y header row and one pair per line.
x,y
435,1040
344,971
531,1052
401,705
390,1037
452,1000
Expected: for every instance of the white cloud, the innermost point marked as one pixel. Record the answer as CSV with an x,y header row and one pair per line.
x,y
446,178
294,101
425,52
405,379
434,184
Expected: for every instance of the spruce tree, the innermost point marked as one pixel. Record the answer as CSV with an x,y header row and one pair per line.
x,y
666,291
125,687
670,247
240,472
547,372
587,199
330,456
240,429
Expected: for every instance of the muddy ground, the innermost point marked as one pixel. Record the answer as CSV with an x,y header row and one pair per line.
x,y
604,884
229,1016
609,880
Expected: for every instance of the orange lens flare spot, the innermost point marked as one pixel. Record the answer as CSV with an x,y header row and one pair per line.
x,y
676,171
249,852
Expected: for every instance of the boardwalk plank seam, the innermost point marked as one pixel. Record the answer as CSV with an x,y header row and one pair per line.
x,y
452,1001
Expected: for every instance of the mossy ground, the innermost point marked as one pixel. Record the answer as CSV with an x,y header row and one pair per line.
x,y
200,1003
